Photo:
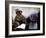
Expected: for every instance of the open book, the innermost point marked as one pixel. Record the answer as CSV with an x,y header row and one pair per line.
x,y
22,26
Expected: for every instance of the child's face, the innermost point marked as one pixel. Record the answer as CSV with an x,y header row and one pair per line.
x,y
18,14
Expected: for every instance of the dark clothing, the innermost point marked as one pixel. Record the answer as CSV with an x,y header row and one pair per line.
x,y
37,20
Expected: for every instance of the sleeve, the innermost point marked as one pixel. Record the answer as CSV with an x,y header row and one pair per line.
x,y
23,19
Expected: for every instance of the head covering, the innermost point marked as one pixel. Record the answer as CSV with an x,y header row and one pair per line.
x,y
18,11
